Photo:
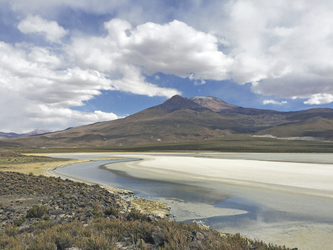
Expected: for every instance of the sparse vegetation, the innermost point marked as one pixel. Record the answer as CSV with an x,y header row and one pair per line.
x,y
9,157
233,143
93,219
14,160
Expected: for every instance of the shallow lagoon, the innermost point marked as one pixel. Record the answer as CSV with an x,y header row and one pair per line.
x,y
282,216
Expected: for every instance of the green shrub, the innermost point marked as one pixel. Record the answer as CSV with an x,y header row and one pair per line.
x,y
20,221
135,214
43,225
36,211
111,211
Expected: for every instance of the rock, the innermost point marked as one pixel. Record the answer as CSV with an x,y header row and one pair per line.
x,y
197,235
157,239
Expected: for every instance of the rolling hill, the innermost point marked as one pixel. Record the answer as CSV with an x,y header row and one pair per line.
x,y
180,120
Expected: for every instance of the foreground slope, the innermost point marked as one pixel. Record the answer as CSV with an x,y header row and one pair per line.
x,y
190,120
62,214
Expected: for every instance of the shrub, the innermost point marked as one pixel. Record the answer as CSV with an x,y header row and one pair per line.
x,y
137,215
36,211
7,242
20,221
111,211
10,231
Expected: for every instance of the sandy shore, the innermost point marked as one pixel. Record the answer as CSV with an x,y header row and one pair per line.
x,y
310,178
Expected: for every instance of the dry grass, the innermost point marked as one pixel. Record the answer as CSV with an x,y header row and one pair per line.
x,y
39,168
146,206
31,163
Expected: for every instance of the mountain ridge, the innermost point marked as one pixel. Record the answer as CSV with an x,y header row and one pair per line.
x,y
4,135
181,119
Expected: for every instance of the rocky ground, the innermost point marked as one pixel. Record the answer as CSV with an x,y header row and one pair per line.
x,y
65,200
38,212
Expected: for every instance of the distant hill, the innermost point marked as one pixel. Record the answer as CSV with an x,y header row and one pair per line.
x,y
15,135
8,135
191,120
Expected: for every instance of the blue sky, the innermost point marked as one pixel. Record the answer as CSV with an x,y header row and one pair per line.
x,y
67,63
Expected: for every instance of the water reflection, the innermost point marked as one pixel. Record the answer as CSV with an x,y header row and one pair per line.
x,y
157,188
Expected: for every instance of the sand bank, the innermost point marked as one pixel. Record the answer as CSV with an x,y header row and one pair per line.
x,y
309,178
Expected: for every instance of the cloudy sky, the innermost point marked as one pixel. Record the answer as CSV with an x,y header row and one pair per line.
x,y
65,63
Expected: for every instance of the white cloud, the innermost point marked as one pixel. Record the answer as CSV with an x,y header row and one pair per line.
x,y
50,29
201,82
174,48
320,99
271,101
266,43
60,118
284,48
127,52
30,79
133,82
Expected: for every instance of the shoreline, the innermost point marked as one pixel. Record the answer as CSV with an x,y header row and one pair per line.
x,y
314,179
145,206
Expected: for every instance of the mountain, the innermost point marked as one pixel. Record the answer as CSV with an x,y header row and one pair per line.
x,y
8,135
37,132
15,135
188,120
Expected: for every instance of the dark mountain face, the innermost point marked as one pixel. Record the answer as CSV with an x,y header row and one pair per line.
x,y
185,120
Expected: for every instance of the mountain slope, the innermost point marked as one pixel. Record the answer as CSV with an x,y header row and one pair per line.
x,y
184,120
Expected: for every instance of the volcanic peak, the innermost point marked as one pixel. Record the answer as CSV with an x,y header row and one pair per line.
x,y
178,102
213,103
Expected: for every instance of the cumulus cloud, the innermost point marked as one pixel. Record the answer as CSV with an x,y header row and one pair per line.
x,y
173,48
283,48
133,82
50,29
59,117
320,99
271,101
264,43
34,90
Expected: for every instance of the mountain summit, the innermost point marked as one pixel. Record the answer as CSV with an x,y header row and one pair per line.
x,y
179,119
212,103
178,102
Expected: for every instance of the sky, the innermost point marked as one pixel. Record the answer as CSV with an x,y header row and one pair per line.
x,y
67,63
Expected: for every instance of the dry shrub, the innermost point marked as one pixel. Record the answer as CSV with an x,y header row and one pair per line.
x,y
36,211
